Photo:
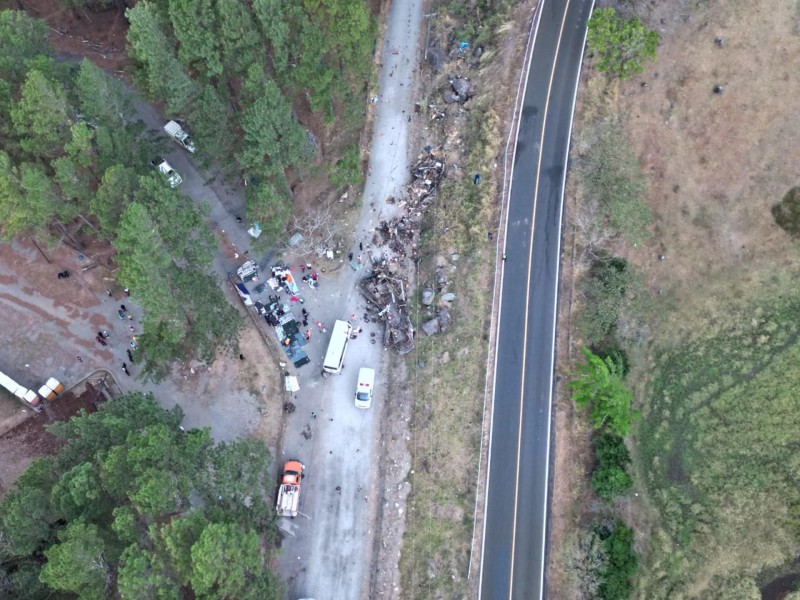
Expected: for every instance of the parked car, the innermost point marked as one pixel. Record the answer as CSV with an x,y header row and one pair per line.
x,y
166,170
365,387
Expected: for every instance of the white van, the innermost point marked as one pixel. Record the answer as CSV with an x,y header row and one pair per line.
x,y
365,387
337,347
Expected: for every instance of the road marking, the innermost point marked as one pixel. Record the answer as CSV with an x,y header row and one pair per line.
x,y
527,313
514,132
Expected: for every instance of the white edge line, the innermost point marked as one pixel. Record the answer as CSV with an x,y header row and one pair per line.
x,y
555,307
515,131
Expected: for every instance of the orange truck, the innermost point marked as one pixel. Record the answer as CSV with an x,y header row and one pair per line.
x,y
289,490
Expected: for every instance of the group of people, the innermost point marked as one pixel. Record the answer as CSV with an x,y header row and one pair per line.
x,y
103,335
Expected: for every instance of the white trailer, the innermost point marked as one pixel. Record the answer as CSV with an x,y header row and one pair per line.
x,y
27,396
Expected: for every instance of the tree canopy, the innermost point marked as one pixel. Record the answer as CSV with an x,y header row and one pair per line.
x,y
599,384
71,147
134,506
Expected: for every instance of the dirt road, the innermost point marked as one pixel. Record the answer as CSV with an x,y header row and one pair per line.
x,y
330,554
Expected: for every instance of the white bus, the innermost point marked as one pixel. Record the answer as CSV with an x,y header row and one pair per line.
x,y
337,347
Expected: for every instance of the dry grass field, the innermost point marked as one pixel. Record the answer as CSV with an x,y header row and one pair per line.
x,y
721,331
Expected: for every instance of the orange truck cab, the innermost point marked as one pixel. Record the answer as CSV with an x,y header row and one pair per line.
x,y
289,491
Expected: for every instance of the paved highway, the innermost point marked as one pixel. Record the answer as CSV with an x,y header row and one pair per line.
x,y
517,494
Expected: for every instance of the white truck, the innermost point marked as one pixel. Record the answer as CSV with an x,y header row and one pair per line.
x,y
177,133
166,170
288,501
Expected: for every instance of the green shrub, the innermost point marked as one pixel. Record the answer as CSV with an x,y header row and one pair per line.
x,y
621,45
787,212
605,290
610,477
346,170
621,560
613,175
600,385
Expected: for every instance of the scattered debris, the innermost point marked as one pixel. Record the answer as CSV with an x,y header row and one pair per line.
x,y
394,242
426,173
385,292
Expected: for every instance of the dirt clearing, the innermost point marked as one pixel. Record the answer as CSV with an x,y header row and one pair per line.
x,y
50,329
23,440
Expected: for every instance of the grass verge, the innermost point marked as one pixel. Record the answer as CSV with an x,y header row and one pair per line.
x,y
449,370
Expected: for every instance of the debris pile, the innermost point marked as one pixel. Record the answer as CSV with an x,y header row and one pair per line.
x,y
386,297
387,289
426,175
397,235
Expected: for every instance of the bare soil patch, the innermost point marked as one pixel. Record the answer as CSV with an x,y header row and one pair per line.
x,y
99,36
28,440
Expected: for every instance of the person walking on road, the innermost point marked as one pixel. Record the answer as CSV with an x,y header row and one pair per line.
x,y
130,355
125,368
308,335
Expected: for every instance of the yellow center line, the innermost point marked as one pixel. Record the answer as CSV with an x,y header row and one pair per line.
x,y
528,295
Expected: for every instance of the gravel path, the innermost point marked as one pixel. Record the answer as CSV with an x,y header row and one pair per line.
x,y
330,555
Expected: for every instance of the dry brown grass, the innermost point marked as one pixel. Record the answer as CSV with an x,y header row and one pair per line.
x,y
449,389
715,164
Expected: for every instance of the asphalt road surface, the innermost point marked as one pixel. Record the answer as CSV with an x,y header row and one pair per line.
x,y
515,524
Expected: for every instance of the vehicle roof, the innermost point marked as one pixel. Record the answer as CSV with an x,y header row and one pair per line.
x,y
366,376
172,127
293,465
